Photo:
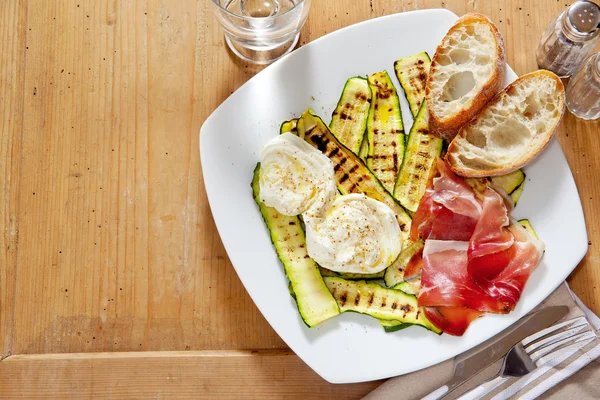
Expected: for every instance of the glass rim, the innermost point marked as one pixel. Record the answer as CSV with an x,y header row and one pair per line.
x,y
217,3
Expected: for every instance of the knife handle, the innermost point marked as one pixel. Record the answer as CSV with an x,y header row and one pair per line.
x,y
437,394
483,389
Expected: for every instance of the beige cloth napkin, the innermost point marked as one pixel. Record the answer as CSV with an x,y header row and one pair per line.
x,y
548,382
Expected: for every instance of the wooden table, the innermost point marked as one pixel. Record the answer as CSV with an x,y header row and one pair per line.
x,y
113,280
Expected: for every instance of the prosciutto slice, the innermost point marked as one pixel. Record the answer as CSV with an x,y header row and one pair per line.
x,y
501,257
474,260
449,209
445,280
413,268
452,320
490,235
455,194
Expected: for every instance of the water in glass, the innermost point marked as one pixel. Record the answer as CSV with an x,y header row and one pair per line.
x,y
259,8
261,31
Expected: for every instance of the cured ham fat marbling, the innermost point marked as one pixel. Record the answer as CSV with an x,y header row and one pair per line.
x,y
474,260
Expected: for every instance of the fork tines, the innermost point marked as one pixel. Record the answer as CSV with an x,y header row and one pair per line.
x,y
566,336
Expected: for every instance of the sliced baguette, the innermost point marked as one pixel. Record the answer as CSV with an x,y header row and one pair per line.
x,y
512,129
467,70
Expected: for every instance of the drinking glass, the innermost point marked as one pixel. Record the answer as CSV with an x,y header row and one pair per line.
x,y
583,90
261,31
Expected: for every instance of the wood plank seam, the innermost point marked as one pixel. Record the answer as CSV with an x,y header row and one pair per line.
x,y
149,354
9,336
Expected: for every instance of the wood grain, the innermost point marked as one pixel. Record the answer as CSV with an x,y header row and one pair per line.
x,y
106,237
120,251
169,375
13,18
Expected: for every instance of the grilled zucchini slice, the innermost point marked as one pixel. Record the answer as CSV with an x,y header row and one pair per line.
x,y
327,272
394,326
350,275
313,298
412,286
351,173
363,153
510,183
385,131
300,128
412,74
516,195
349,119
289,126
379,302
422,150
527,225
291,291
394,274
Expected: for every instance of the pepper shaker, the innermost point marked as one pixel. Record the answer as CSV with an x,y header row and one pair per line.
x,y
570,38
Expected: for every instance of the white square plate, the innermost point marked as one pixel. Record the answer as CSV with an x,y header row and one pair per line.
x,y
353,347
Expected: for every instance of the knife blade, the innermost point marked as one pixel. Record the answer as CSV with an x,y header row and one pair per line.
x,y
470,363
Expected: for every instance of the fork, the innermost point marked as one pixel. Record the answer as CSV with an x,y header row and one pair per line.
x,y
536,350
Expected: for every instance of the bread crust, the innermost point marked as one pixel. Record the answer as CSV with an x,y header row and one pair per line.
x,y
447,128
454,149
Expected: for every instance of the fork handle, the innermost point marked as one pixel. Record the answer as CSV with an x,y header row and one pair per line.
x,y
437,394
483,389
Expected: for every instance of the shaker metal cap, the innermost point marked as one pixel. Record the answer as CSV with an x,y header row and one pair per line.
x,y
584,16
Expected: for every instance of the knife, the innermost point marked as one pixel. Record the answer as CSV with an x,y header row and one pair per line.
x,y
471,362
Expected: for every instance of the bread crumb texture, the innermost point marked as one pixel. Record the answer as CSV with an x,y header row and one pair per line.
x,y
512,129
465,63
